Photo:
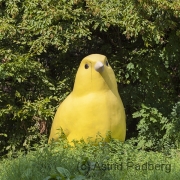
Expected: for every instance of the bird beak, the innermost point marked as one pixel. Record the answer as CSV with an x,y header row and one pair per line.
x,y
99,66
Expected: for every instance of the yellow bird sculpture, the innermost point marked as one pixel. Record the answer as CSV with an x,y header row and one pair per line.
x,y
94,106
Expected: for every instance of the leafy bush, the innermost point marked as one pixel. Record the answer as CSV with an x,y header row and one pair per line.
x,y
113,160
155,131
152,128
43,42
173,132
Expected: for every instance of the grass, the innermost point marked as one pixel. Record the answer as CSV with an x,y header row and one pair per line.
x,y
114,160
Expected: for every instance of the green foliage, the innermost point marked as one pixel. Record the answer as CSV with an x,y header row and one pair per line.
x,y
43,41
155,131
64,174
152,128
173,132
114,160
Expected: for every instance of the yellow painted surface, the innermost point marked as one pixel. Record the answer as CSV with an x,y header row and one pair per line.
x,y
94,106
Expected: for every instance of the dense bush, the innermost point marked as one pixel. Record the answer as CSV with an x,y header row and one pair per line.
x,y
114,160
43,41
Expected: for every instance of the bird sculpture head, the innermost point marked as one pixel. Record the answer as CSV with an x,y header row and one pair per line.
x,y
94,74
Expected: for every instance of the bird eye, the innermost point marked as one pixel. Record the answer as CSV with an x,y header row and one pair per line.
x,y
86,66
107,64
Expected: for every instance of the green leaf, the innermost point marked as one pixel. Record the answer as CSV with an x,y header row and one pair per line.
x,y
64,172
130,66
